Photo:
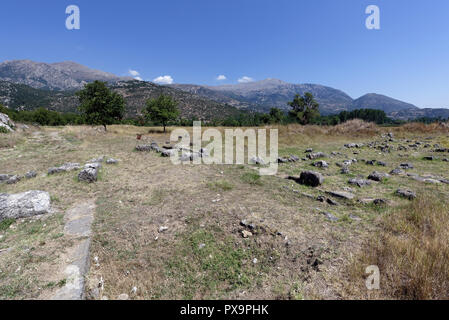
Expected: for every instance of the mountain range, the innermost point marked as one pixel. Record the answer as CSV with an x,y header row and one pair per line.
x,y
26,84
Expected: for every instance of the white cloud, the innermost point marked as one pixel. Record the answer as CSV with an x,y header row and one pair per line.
x,y
245,79
221,77
134,73
164,80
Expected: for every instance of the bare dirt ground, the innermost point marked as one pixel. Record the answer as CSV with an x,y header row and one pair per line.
x,y
172,232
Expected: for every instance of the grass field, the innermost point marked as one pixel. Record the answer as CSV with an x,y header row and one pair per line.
x,y
294,251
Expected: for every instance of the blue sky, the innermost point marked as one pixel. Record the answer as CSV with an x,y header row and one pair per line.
x,y
299,41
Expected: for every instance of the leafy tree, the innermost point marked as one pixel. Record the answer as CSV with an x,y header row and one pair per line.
x,y
276,115
304,109
162,109
99,105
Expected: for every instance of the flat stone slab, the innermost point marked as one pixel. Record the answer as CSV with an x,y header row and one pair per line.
x,y
75,272
78,224
341,194
79,220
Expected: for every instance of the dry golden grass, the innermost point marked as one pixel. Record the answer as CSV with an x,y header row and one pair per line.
x,y
411,249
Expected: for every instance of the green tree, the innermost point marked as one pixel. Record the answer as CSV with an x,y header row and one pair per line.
x,y
304,109
99,105
276,115
162,109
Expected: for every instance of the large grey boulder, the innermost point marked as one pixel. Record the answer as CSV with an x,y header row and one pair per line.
x,y
5,122
90,172
309,178
24,205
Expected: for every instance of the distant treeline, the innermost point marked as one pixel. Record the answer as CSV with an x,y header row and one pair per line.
x,y
46,117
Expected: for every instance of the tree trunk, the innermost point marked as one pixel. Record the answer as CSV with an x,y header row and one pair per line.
x,y
105,129
164,126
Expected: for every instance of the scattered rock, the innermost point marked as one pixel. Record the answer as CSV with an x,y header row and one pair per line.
x,y
168,153
283,160
246,234
111,161
329,216
321,164
4,177
378,176
5,122
309,150
14,180
406,194
380,202
406,166
64,168
31,174
24,205
97,160
344,170
162,229
144,148
89,173
430,158
257,161
341,194
123,296
359,182
317,155
396,172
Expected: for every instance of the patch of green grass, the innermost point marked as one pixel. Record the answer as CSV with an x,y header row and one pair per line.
x,y
252,178
157,197
3,130
221,184
58,284
207,265
5,224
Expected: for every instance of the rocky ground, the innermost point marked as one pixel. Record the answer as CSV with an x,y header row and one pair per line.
x,y
159,231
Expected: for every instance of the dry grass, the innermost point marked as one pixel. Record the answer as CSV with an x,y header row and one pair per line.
x,y
411,250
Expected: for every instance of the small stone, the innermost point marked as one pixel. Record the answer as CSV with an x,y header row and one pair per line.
x,y
162,229
111,161
378,176
321,164
14,180
257,161
359,182
246,234
406,194
123,296
316,155
396,172
406,166
344,170
31,175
